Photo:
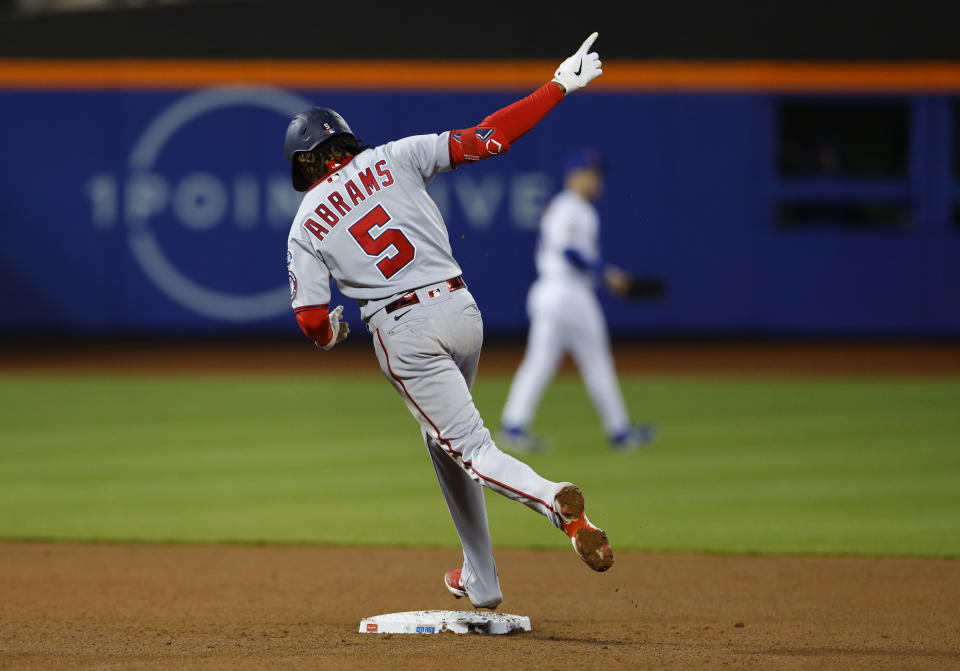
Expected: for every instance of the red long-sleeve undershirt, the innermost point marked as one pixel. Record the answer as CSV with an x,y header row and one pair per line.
x,y
314,321
516,119
508,125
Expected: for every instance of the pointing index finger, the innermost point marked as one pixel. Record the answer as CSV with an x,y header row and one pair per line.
x,y
587,43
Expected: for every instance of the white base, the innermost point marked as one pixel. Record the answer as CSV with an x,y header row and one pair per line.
x,y
436,621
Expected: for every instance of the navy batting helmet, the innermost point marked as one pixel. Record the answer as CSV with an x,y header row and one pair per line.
x,y
307,131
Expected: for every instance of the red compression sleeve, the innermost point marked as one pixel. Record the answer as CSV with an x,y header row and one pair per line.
x,y
495,134
516,119
314,321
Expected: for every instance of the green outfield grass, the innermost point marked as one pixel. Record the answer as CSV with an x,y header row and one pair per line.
x,y
767,465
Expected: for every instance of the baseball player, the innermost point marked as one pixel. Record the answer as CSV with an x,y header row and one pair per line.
x,y
367,222
565,315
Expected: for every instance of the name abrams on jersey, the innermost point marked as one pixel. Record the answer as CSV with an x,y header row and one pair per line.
x,y
370,225
337,199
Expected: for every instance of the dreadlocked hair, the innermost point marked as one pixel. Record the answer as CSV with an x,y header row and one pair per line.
x,y
333,149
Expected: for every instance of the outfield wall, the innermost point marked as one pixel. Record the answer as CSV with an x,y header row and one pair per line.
x,y
153,197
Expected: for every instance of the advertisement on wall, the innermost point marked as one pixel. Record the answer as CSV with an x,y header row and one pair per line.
x,y
165,211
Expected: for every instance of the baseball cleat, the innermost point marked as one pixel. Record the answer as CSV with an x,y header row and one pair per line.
x,y
453,583
589,542
632,438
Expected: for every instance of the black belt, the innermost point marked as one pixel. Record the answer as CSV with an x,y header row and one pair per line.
x,y
410,298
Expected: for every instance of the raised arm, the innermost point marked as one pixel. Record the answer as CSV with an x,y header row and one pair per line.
x,y
497,132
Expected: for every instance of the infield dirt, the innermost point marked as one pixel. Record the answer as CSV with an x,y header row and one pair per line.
x,y
99,606
224,607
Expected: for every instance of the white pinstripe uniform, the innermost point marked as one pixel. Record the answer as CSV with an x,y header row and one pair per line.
x,y
565,316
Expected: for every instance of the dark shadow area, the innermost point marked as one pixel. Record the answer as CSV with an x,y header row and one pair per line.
x,y
844,30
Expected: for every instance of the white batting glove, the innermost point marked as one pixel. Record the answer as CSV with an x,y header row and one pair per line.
x,y
340,329
580,69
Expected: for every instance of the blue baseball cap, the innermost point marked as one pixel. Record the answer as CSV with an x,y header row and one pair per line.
x,y
584,158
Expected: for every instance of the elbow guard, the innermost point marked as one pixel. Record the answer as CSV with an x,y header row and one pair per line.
x,y
476,144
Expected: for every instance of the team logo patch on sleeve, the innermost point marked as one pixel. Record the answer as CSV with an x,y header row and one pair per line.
x,y
483,134
293,284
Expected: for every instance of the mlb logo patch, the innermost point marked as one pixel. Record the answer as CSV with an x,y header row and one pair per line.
x,y
433,293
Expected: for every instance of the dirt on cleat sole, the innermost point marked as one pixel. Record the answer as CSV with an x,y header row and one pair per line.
x,y
590,543
570,503
593,546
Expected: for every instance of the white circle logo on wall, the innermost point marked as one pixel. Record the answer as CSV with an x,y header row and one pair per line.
x,y
143,243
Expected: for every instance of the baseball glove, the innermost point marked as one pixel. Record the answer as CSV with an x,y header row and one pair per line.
x,y
644,289
633,287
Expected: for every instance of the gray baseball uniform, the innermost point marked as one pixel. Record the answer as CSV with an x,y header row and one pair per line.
x,y
371,226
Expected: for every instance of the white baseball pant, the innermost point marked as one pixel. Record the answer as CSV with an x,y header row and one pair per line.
x,y
566,317
430,352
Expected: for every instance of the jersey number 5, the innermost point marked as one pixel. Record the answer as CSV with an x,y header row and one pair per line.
x,y
375,246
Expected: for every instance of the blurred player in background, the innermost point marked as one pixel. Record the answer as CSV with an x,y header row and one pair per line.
x,y
565,315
